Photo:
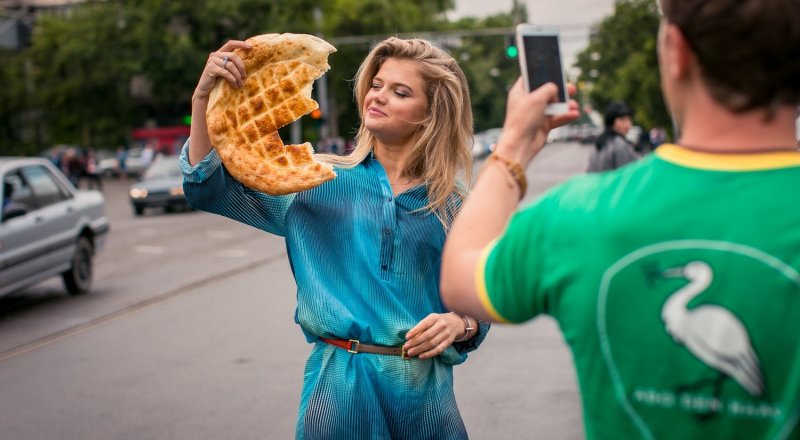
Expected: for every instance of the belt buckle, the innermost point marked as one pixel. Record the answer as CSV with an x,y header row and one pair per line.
x,y
353,346
403,354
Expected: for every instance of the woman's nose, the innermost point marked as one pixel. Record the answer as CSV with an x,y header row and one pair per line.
x,y
380,96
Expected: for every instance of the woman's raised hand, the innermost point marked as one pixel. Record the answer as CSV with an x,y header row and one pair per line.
x,y
225,64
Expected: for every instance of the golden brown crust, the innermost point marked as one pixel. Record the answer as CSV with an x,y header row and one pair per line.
x,y
243,123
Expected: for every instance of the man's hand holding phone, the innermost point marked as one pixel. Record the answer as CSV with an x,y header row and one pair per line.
x,y
539,100
527,123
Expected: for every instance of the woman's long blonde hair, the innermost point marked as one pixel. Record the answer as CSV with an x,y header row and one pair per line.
x,y
442,149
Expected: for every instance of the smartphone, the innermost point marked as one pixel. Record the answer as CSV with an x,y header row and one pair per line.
x,y
540,62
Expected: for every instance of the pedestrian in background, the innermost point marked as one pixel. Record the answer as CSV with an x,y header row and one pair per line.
x,y
612,148
676,279
643,145
93,180
122,156
657,136
148,154
72,166
365,248
55,158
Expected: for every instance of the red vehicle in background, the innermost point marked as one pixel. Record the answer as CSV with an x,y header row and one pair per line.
x,y
164,140
149,143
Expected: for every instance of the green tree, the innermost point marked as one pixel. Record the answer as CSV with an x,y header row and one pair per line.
x,y
489,72
15,117
174,37
107,67
92,75
620,63
379,18
79,77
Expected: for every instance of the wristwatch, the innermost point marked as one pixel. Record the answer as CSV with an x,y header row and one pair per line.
x,y
467,329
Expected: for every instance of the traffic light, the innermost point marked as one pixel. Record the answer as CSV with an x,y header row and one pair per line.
x,y
512,52
317,118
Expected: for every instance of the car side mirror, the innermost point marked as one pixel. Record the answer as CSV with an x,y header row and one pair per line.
x,y
13,210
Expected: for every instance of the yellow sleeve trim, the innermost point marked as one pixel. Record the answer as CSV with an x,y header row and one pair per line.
x,y
480,284
726,161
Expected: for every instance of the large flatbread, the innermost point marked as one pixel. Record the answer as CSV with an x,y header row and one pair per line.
x,y
243,123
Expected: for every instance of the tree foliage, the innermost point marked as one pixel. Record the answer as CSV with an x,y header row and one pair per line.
x,y
482,58
379,18
620,63
77,70
15,113
92,75
490,73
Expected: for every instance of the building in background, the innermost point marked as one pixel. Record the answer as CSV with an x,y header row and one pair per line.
x,y
17,18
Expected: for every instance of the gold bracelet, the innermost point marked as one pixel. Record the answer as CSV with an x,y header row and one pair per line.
x,y
516,171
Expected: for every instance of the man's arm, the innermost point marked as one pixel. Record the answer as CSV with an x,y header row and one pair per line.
x,y
485,213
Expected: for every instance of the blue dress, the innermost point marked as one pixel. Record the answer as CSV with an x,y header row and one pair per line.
x,y
366,265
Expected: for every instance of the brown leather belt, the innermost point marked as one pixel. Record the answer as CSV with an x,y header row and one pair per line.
x,y
354,346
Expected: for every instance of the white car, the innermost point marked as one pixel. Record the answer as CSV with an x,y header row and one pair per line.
x,y
47,227
136,162
484,142
107,164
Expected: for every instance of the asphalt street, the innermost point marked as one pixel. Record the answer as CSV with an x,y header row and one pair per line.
x,y
189,334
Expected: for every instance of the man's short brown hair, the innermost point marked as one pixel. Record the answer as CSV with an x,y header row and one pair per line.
x,y
748,50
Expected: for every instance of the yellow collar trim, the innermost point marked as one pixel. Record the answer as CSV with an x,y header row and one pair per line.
x,y
728,162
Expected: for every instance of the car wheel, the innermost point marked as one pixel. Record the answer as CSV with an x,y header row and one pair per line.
x,y
78,278
138,210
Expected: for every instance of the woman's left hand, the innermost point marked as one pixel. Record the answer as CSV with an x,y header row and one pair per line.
x,y
431,336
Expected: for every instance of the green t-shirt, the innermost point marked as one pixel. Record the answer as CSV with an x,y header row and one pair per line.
x,y
675,282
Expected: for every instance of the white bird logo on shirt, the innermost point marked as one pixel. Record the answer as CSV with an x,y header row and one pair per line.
x,y
710,332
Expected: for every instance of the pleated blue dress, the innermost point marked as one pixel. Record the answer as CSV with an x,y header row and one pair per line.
x,y
366,265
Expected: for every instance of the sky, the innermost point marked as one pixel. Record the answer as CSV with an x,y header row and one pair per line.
x,y
574,17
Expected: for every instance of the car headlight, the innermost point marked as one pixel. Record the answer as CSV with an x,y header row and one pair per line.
x,y
138,193
176,191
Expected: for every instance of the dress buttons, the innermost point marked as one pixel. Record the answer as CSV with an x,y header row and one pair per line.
x,y
387,231
384,266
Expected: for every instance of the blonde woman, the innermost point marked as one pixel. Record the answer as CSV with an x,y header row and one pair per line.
x,y
365,248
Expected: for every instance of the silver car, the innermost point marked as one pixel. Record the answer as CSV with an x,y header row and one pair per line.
x,y
47,227
161,186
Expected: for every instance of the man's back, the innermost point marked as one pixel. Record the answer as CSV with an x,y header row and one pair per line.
x,y
676,290
674,279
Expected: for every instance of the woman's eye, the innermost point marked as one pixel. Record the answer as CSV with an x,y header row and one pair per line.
x,y
376,86
400,94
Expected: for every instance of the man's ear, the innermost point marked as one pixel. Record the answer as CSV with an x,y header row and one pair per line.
x,y
679,55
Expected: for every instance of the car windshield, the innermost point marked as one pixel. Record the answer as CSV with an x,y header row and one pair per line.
x,y
164,168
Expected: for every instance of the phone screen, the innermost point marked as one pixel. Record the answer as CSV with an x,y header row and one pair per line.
x,y
543,62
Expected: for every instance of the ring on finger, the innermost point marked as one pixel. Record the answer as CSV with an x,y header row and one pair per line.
x,y
225,61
